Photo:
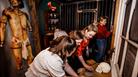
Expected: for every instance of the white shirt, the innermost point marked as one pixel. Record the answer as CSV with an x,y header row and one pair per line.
x,y
44,63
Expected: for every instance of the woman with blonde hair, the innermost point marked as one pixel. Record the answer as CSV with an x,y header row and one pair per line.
x,y
79,60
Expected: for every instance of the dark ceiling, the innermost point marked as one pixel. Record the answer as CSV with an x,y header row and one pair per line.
x,y
64,1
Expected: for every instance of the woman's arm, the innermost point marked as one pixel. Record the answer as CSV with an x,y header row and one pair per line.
x,y
69,70
84,63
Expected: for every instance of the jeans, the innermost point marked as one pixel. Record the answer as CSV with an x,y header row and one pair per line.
x,y
101,45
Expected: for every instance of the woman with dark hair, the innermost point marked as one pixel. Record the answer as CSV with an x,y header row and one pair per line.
x,y
52,61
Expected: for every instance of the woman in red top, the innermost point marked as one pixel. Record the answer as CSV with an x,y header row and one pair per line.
x,y
78,60
101,36
88,33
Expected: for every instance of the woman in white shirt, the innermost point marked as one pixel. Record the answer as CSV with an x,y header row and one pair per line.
x,y
52,61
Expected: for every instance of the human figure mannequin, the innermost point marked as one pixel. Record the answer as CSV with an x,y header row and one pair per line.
x,y
19,24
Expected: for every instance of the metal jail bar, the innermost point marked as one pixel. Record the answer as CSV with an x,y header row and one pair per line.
x,y
77,15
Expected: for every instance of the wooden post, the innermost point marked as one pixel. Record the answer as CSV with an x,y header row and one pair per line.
x,y
34,23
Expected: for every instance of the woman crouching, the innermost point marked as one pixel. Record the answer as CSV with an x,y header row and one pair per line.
x,y
52,61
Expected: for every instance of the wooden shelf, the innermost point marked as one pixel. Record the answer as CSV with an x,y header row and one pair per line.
x,y
51,21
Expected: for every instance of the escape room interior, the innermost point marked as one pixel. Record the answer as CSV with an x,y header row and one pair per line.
x,y
68,15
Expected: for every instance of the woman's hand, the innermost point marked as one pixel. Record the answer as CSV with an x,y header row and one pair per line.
x,y
89,68
84,64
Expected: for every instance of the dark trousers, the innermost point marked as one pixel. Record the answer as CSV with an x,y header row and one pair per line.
x,y
101,45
